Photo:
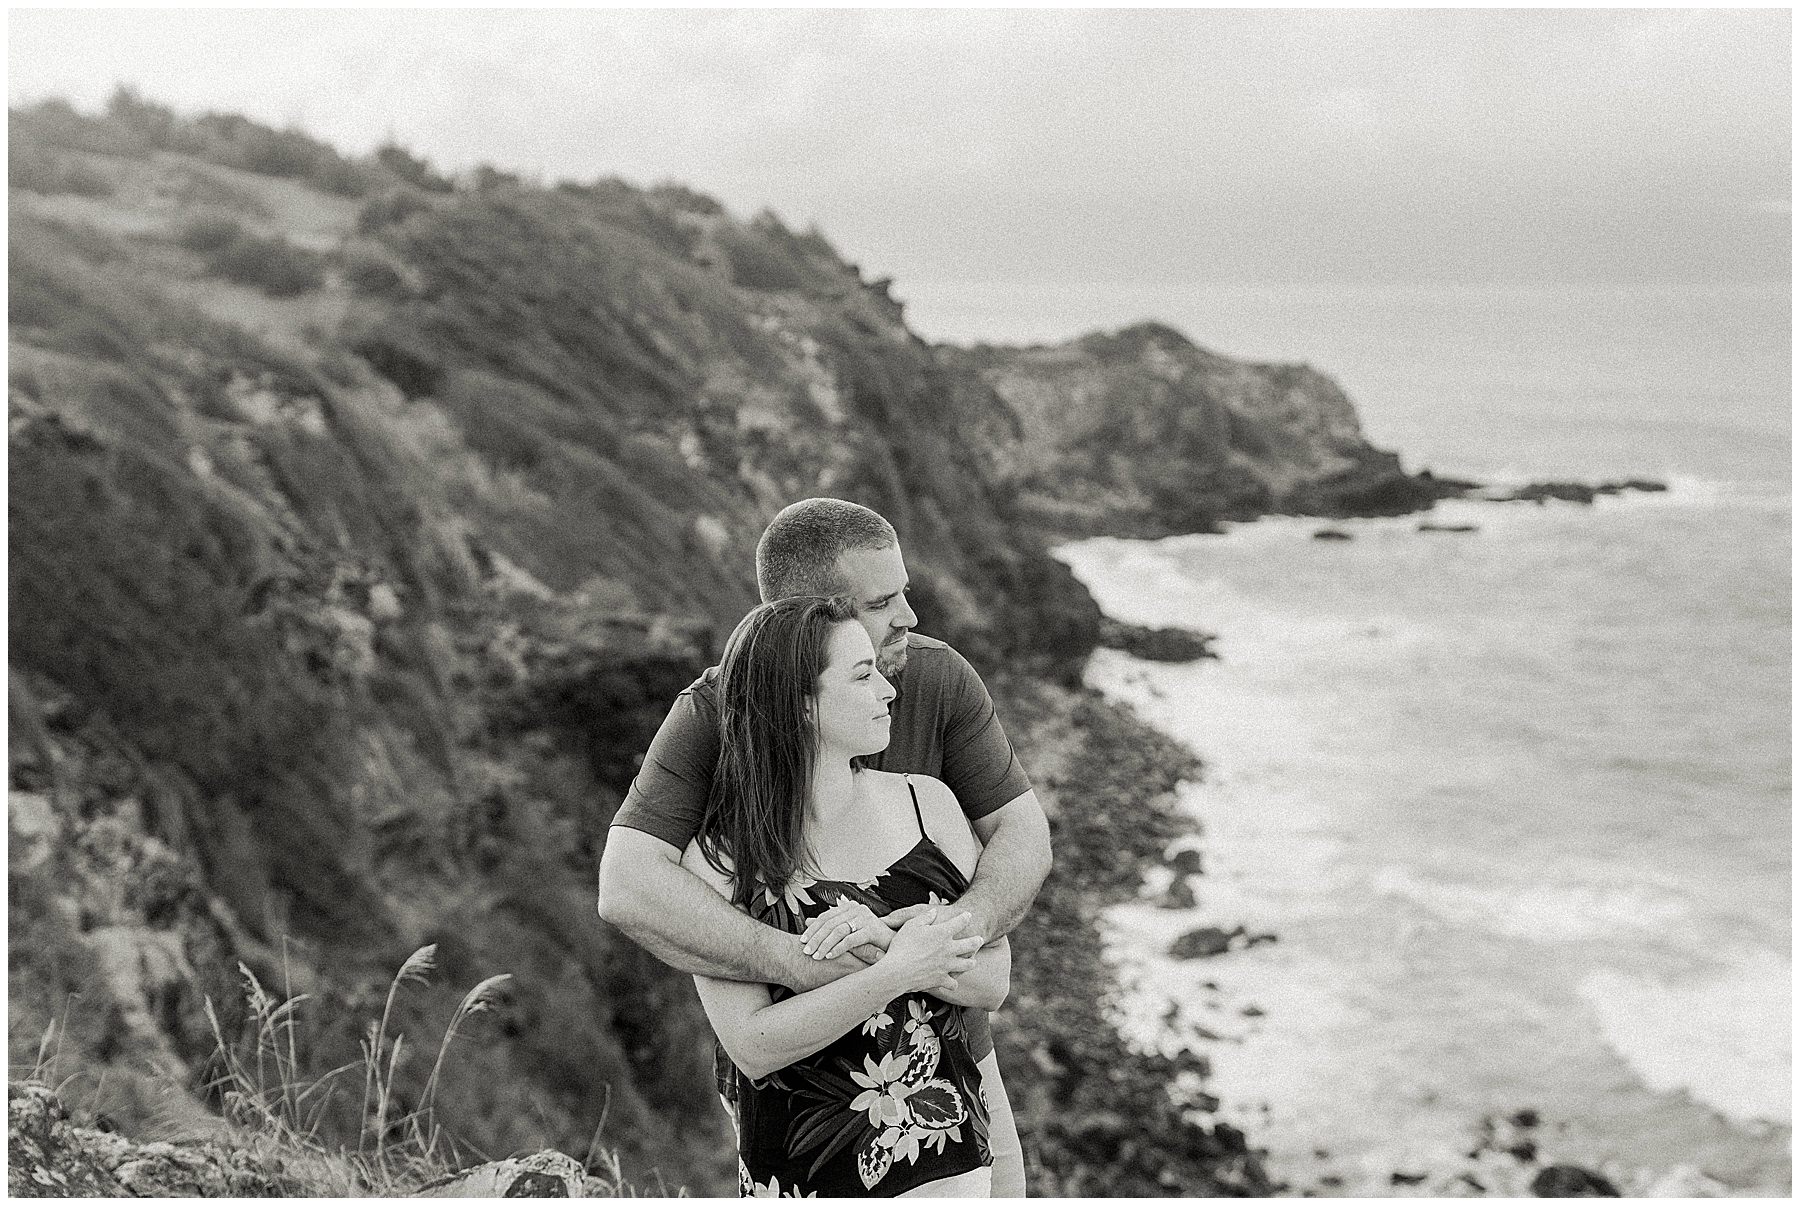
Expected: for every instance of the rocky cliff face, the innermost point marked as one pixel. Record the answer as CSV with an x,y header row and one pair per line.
x,y
1140,432
362,527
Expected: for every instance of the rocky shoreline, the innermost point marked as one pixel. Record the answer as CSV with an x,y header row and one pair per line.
x,y
1098,1115
1507,1154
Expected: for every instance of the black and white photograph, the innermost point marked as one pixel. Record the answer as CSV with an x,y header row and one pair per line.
x,y
873,601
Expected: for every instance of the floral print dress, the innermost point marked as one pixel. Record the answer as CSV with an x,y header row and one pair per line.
x,y
891,1105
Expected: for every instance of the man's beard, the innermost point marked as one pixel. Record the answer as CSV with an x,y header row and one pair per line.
x,y
891,659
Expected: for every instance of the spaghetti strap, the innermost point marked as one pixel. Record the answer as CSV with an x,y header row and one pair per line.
x,y
917,815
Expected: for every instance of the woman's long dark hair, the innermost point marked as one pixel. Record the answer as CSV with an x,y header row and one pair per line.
x,y
757,805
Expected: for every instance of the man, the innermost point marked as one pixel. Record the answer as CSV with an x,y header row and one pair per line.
x,y
943,725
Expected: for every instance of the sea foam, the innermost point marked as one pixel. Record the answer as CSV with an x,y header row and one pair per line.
x,y
1543,911
1726,1039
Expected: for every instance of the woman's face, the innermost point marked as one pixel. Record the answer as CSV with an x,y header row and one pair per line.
x,y
850,709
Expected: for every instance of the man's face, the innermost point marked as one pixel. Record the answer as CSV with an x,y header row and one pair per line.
x,y
876,580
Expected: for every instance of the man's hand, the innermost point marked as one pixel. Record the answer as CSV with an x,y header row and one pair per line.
x,y
1015,858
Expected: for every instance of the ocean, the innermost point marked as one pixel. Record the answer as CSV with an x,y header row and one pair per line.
x,y
1515,802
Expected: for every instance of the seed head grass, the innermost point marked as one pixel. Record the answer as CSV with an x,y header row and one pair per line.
x,y
265,1094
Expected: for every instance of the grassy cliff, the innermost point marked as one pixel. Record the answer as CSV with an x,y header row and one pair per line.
x,y
363,523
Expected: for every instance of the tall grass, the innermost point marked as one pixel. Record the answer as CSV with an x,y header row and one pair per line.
x,y
264,1091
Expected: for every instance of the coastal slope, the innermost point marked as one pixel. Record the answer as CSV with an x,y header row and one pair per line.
x,y
363,523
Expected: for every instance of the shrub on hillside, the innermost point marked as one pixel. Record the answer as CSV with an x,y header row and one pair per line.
x,y
209,235
685,200
373,275
155,124
278,152
395,205
275,266
488,178
56,123
767,255
655,215
38,171
238,142
336,174
413,169
415,374
758,264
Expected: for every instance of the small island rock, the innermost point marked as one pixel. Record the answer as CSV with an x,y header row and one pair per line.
x,y
1571,1181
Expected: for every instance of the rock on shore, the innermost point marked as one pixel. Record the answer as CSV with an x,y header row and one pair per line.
x,y
1170,644
1575,492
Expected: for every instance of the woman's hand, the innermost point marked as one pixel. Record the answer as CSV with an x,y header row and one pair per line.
x,y
927,953
844,927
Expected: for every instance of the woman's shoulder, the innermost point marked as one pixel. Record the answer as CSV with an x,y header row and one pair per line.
x,y
929,790
939,806
937,803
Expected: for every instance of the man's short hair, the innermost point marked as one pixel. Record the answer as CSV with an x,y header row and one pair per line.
x,y
798,552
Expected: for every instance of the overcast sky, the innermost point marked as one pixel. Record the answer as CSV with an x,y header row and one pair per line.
x,y
1050,147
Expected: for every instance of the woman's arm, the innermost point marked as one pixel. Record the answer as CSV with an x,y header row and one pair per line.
x,y
851,922
763,1036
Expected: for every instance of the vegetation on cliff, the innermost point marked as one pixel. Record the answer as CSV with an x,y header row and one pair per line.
x,y
363,524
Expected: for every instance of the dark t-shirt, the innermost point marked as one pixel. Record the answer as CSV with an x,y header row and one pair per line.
x,y
943,726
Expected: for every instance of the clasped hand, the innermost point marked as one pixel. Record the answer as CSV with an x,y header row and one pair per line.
x,y
851,927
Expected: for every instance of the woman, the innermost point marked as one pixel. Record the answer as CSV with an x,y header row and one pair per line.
x,y
866,1086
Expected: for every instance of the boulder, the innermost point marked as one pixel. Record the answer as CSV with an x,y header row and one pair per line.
x,y
1178,895
1157,644
1331,534
1203,943
1209,940
197,1170
1571,1181
49,1154
1187,861
46,1156
546,1174
1448,527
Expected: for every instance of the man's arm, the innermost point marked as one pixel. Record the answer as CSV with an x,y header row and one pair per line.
x,y
1015,859
981,769
670,912
1010,852
985,985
